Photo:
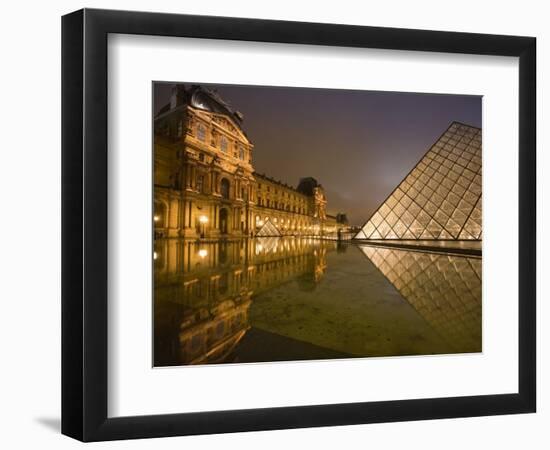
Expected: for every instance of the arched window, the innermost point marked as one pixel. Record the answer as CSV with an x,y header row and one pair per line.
x,y
224,188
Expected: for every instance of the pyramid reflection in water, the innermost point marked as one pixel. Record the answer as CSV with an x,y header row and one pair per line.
x,y
268,229
444,289
440,198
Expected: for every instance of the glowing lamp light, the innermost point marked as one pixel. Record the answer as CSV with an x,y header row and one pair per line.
x,y
156,218
203,253
155,255
261,223
203,219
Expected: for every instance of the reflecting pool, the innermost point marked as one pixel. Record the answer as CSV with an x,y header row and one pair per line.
x,y
283,299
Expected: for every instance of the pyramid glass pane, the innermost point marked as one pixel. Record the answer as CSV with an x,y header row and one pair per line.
x,y
441,196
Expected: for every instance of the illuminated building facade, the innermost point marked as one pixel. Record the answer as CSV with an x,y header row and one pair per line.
x,y
206,185
440,199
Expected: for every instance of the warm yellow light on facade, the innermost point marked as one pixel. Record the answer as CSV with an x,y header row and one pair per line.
x,y
203,253
203,219
156,218
260,223
155,255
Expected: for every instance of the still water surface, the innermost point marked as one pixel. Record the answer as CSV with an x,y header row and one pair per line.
x,y
283,299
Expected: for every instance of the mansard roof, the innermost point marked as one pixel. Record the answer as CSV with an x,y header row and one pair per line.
x,y
205,99
209,100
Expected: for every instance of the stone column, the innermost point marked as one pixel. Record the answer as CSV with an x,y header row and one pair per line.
x,y
181,215
190,214
217,181
188,176
193,176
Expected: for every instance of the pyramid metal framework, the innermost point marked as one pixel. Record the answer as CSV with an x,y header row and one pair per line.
x,y
444,289
268,229
440,198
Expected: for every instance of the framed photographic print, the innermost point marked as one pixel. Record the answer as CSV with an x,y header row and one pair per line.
x,y
274,224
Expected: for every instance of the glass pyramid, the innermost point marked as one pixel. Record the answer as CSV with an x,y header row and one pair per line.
x,y
440,198
268,229
444,289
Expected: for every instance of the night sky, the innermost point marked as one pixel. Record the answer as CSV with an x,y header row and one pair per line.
x,y
358,144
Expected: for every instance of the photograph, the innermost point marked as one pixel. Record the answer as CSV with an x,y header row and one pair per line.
x,y
296,223
275,225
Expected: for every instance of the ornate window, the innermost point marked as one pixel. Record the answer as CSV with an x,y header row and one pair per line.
x,y
224,188
223,144
200,183
241,153
201,132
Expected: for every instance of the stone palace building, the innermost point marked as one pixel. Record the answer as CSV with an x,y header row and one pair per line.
x,y
205,185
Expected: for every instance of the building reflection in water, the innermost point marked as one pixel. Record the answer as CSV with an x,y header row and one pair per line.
x,y
444,289
203,290
405,302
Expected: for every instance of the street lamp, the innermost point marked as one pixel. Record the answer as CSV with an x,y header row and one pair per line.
x,y
203,220
203,253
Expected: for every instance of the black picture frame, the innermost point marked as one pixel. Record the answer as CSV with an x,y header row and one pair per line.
x,y
84,224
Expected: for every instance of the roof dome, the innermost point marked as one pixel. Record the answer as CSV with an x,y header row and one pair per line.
x,y
209,100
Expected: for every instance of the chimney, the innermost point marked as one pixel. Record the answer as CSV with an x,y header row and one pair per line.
x,y
177,96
